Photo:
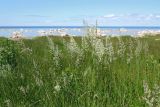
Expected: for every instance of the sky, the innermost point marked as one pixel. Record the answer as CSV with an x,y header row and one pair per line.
x,y
73,12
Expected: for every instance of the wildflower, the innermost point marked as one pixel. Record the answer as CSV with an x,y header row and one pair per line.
x,y
97,45
130,53
37,75
72,45
7,103
95,96
75,51
128,60
26,50
56,58
151,97
23,89
138,48
51,44
54,51
99,48
146,48
21,76
16,35
109,49
38,81
85,44
87,71
5,70
57,88
121,47
99,32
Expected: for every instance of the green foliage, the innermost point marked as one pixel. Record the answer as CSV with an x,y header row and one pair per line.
x,y
80,72
8,53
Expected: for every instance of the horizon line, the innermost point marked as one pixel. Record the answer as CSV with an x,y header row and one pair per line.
x,y
61,26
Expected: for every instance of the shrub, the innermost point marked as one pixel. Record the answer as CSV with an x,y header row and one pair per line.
x,y
8,53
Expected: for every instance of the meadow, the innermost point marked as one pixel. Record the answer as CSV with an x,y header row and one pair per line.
x,y
89,71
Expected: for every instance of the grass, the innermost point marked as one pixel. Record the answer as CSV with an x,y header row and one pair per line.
x,y
80,72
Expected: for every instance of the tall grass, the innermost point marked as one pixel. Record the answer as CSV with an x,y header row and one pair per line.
x,y
84,71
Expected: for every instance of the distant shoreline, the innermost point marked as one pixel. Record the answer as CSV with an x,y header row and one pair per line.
x,y
31,31
128,27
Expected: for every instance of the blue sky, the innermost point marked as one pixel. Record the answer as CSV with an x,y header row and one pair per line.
x,y
73,12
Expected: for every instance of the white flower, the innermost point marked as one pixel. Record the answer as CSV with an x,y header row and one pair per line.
x,y
5,70
57,87
130,53
109,50
121,47
146,48
37,76
138,48
8,103
54,51
23,89
73,47
85,44
38,81
99,48
151,97
75,51
56,57
16,35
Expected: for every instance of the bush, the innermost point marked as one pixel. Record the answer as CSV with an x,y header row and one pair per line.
x,y
8,53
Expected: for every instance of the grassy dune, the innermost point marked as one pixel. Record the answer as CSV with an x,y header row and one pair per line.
x,y
80,72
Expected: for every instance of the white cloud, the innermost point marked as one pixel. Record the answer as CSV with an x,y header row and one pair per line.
x,y
132,19
37,16
109,16
133,16
157,16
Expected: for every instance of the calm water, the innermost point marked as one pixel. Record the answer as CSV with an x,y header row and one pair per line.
x,y
32,31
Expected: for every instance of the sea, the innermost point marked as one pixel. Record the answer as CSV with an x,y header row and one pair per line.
x,y
33,31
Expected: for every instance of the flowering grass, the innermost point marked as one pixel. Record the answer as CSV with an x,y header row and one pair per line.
x,y
80,72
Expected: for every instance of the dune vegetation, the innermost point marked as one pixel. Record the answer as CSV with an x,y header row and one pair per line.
x,y
87,71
